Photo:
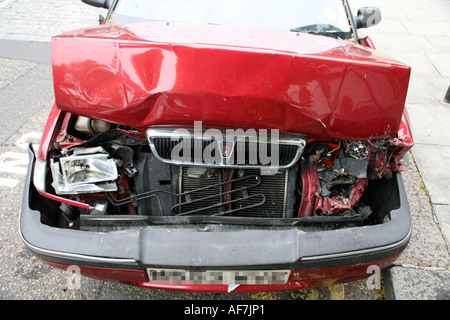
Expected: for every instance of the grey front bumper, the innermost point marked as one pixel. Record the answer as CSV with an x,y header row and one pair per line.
x,y
188,247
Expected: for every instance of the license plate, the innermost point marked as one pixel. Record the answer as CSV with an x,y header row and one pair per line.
x,y
228,277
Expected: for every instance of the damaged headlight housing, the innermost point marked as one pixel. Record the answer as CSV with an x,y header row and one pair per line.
x,y
85,173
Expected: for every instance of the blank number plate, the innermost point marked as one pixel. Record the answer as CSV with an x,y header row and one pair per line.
x,y
228,277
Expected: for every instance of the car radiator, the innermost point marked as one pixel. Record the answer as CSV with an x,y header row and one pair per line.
x,y
235,192
170,190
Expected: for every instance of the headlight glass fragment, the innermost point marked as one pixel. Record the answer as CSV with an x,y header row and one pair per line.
x,y
84,174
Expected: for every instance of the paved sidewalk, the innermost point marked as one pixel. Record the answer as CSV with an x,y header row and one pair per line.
x,y
416,32
42,19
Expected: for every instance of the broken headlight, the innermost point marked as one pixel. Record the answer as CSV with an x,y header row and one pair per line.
x,y
84,173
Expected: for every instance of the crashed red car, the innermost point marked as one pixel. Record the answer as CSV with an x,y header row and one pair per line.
x,y
222,146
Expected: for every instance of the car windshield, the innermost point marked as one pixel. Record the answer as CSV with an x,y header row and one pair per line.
x,y
327,17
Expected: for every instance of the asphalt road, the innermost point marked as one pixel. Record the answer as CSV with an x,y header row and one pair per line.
x,y
26,96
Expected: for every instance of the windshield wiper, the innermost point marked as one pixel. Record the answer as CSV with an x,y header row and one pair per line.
x,y
318,29
324,30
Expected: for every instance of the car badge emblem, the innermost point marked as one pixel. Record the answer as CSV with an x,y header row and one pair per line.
x,y
227,149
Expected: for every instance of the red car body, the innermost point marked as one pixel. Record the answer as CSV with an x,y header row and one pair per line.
x,y
174,75
327,93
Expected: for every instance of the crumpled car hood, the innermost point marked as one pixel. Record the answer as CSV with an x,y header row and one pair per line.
x,y
152,73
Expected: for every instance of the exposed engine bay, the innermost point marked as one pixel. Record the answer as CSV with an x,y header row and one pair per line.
x,y
128,177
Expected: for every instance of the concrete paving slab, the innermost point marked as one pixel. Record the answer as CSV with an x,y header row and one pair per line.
x,y
417,284
428,27
411,4
420,63
442,213
441,62
440,43
425,14
401,43
425,90
428,121
442,4
432,163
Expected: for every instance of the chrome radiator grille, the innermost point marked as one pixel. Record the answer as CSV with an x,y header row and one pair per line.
x,y
237,151
164,147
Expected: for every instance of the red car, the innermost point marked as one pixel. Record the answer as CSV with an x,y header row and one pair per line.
x,y
222,146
